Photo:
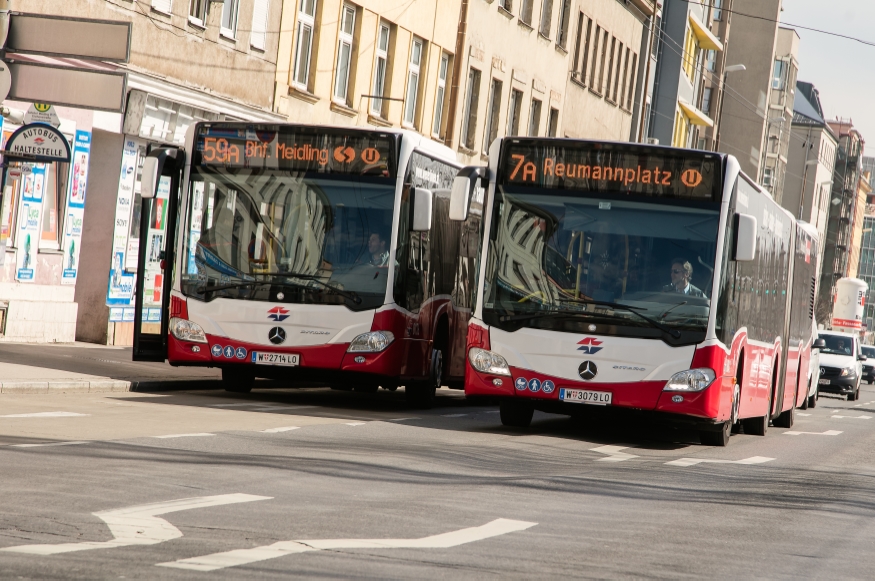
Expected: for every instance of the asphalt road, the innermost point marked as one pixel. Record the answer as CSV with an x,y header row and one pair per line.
x,y
319,483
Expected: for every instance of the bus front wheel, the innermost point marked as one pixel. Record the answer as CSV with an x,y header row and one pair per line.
x,y
237,379
719,438
421,394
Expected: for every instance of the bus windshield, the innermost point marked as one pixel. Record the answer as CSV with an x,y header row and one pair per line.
x,y
566,261
286,236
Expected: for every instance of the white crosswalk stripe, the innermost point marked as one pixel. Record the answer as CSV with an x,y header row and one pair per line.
x,y
613,453
694,461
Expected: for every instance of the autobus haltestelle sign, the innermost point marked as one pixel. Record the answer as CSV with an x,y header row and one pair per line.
x,y
38,142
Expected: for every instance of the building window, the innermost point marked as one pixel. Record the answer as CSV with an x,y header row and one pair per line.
x,y
507,5
163,6
472,98
681,129
441,92
596,40
304,43
767,177
582,47
413,81
617,74
381,65
632,81
344,54
526,12
611,68
492,112
779,75
691,49
553,122
514,109
229,17
564,14
54,204
546,18
711,60
706,100
602,60
534,118
197,11
717,12
260,15
622,97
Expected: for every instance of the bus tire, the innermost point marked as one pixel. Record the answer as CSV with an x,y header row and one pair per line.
x,y
719,438
516,414
786,419
812,401
421,394
237,379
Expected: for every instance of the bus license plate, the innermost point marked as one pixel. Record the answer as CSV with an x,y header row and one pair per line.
x,y
260,358
823,381
585,396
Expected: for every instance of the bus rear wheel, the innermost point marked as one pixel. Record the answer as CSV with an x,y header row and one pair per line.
x,y
237,379
516,414
421,394
719,438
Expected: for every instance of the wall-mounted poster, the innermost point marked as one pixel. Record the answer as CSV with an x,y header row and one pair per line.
x,y
29,223
120,290
76,206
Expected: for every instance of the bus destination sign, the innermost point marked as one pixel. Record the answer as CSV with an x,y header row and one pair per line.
x,y
295,148
604,168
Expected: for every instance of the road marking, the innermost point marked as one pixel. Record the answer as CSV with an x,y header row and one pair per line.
x,y
263,406
613,453
853,417
355,423
454,415
138,525
184,435
858,405
278,430
802,414
401,419
443,541
826,433
47,415
72,443
694,461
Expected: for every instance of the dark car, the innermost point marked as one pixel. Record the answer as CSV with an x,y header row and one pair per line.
x,y
869,365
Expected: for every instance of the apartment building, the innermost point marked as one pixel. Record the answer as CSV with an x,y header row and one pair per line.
x,y
715,73
810,160
685,43
843,210
779,118
190,60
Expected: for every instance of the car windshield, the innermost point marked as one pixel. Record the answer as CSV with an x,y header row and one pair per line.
x,y
553,252
837,345
869,352
282,236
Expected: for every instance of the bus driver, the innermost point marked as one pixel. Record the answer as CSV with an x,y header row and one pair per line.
x,y
681,272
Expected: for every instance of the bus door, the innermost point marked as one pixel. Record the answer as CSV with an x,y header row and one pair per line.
x,y
162,174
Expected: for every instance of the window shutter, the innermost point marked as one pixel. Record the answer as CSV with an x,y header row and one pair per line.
x,y
259,24
162,5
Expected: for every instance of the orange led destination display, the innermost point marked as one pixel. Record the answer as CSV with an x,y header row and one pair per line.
x,y
295,148
586,166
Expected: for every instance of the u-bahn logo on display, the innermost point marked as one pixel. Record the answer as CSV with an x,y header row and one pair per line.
x,y
691,178
278,314
590,345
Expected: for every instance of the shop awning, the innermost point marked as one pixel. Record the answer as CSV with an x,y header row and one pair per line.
x,y
696,116
707,40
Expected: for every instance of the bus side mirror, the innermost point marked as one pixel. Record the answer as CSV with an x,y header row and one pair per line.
x,y
746,238
464,185
819,344
153,167
422,201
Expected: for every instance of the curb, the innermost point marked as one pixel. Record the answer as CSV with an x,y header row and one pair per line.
x,y
64,386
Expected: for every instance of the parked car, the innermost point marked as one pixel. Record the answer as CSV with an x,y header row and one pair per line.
x,y
841,364
869,368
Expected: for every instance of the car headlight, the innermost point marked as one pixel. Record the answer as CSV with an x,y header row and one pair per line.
x,y
848,372
488,362
185,330
372,342
690,380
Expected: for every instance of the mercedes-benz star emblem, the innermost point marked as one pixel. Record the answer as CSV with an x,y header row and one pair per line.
x,y
587,370
277,335
822,371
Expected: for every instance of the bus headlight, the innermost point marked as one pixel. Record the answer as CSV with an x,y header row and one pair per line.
x,y
488,362
185,330
690,380
372,342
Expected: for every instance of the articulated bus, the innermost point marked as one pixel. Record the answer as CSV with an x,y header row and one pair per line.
x,y
308,254
648,278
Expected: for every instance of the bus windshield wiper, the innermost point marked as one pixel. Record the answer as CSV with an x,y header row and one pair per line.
x,y
347,294
312,277
207,289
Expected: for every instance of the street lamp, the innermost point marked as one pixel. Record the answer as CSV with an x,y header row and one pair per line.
x,y
726,71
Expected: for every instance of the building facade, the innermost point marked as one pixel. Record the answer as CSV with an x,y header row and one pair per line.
x,y
810,161
779,119
190,60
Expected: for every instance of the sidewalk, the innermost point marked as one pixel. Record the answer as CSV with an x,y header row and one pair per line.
x,y
28,368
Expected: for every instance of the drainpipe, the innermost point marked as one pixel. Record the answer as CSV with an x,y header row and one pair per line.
x,y
461,35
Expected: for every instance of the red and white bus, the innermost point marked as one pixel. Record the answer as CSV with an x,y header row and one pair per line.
x,y
641,277
306,253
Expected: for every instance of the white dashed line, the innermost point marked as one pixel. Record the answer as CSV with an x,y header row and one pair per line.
x,y
184,435
613,453
47,415
401,419
694,461
852,417
355,423
278,430
826,433
50,444
802,414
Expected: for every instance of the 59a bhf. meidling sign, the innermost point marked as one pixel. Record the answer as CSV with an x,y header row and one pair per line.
x,y
38,142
